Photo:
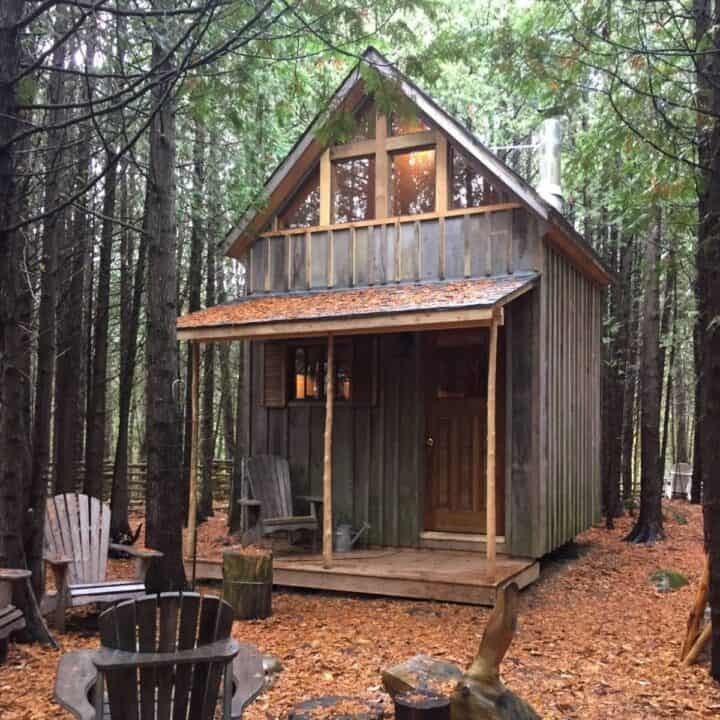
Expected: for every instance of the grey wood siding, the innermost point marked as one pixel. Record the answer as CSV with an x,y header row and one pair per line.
x,y
570,423
468,245
378,454
523,489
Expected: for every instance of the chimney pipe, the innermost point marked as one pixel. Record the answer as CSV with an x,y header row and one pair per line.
x,y
550,142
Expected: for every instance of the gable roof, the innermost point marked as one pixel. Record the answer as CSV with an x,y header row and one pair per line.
x,y
349,93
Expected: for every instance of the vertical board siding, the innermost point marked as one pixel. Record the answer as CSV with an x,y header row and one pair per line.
x,y
477,245
571,415
377,449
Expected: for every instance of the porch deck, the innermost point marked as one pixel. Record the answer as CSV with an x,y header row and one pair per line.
x,y
446,575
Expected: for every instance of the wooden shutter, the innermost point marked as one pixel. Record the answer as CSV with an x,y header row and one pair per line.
x,y
274,375
364,381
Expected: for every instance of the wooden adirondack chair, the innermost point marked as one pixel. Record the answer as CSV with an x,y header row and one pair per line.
x,y
11,619
266,488
162,657
77,534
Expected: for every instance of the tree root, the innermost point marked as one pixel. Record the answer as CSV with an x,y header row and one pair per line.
x,y
645,532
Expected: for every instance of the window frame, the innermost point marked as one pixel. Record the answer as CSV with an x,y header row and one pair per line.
x,y
350,342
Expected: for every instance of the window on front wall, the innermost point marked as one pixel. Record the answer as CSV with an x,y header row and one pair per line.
x,y
303,210
309,371
412,182
353,189
469,187
295,371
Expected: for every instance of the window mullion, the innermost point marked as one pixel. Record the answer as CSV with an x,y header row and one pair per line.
x,y
382,162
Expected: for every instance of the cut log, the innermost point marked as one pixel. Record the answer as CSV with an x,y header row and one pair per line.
x,y
336,708
421,705
697,611
700,643
247,582
422,673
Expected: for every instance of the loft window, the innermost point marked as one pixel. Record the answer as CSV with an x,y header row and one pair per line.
x,y
364,123
412,182
470,187
304,208
407,124
353,189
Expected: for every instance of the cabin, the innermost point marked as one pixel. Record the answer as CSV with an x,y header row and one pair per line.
x,y
422,341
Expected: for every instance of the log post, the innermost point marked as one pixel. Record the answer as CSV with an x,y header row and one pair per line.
x,y
421,705
194,443
490,466
327,463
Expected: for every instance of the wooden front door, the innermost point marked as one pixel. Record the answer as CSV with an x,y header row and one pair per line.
x,y
456,431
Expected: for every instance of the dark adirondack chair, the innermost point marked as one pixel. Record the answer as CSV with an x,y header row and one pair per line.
x,y
162,657
11,619
266,488
77,539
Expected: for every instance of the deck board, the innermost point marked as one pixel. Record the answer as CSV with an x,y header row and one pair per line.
x,y
446,575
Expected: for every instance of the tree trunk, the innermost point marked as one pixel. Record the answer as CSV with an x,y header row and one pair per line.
x,y
95,443
708,298
14,395
52,234
649,527
129,328
226,385
163,501
207,430
669,310
194,277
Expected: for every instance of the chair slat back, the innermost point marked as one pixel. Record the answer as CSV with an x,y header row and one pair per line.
x,y
166,623
78,526
269,478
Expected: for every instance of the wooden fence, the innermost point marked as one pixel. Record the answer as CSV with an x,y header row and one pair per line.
x,y
222,476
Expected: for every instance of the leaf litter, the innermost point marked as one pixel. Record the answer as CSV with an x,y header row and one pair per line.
x,y
596,639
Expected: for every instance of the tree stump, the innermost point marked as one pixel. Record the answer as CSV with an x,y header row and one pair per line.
x,y
336,708
421,705
247,582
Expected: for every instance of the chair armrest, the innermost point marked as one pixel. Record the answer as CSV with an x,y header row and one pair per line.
x,y
146,554
249,503
311,498
219,651
58,560
248,678
76,674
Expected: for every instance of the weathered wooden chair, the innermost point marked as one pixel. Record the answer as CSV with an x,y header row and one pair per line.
x,y
77,534
266,488
162,657
11,619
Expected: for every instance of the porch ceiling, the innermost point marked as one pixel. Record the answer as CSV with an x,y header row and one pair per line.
x,y
381,308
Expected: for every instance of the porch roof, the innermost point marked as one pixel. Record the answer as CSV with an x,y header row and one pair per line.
x,y
381,308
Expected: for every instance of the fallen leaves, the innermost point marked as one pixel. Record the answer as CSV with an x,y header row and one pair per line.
x,y
595,639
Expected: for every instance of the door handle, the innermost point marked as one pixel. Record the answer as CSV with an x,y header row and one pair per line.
x,y
429,441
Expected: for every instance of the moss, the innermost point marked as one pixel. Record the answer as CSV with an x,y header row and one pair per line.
x,y
665,579
678,517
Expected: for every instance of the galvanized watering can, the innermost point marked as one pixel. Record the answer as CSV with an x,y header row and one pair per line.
x,y
344,539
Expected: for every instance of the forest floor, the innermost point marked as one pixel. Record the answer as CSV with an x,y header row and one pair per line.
x,y
595,640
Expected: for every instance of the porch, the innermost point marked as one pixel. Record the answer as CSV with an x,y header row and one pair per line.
x,y
418,573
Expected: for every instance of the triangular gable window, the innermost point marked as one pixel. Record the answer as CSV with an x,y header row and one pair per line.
x,y
303,210
471,187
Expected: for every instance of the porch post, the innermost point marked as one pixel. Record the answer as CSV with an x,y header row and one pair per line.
x,y
194,443
327,465
490,468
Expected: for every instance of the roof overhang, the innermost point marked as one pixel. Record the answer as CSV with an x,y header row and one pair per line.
x,y
356,311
